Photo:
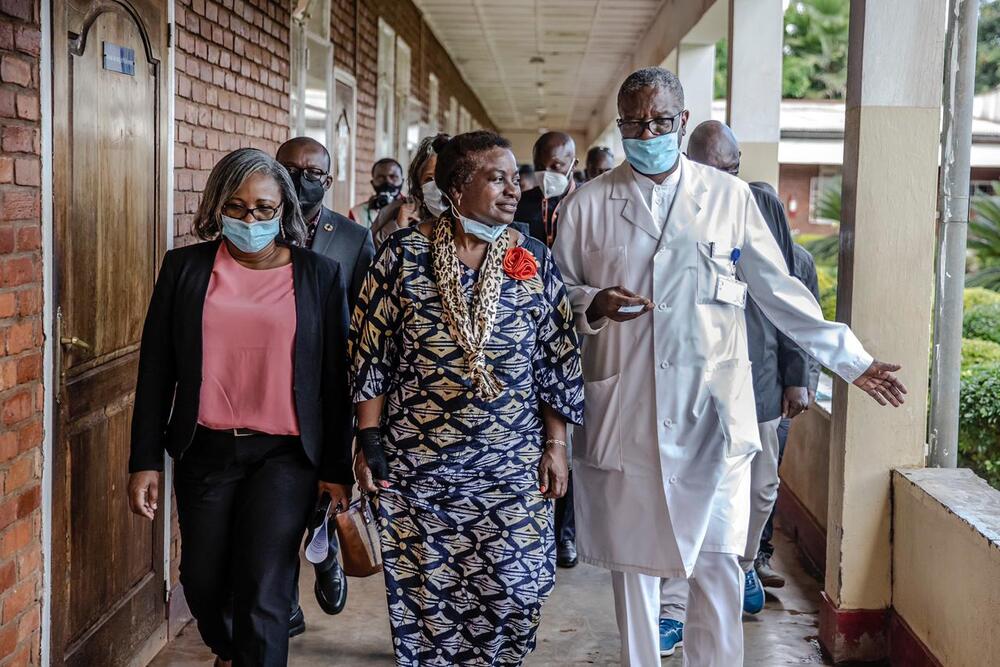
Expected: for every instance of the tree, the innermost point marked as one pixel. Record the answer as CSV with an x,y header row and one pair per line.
x,y
988,47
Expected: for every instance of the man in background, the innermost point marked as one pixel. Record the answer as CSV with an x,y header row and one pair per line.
x,y
599,160
554,157
387,182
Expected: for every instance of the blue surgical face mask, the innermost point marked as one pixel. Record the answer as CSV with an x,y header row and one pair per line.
x,y
652,156
253,237
482,231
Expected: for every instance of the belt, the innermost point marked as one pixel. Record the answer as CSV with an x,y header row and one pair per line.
x,y
235,432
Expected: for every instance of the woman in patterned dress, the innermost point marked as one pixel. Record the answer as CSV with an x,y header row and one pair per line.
x,y
466,371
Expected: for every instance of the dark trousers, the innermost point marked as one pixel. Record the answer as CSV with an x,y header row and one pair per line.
x,y
565,521
766,547
242,505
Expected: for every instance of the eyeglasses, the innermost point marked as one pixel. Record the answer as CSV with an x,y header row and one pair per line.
x,y
310,174
631,129
239,211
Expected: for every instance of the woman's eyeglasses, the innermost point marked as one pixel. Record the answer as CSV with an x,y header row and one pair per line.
x,y
240,211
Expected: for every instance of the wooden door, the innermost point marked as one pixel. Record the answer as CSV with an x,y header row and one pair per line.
x,y
342,151
109,167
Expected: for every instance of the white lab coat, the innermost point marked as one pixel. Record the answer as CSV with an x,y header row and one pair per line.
x,y
662,465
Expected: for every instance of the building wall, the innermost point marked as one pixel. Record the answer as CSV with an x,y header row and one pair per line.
x,y
794,184
21,333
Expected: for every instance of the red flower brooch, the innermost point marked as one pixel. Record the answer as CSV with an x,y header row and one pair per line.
x,y
520,264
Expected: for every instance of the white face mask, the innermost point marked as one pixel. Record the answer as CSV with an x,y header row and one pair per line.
x,y
554,183
432,199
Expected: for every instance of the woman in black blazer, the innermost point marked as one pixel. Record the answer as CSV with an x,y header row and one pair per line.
x,y
243,381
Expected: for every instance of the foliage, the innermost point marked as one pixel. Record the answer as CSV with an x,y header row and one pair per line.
x,y
977,352
988,47
984,241
827,278
828,206
815,49
979,421
979,296
982,322
814,64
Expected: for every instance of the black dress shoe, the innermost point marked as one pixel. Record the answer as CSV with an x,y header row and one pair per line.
x,y
297,623
331,589
566,554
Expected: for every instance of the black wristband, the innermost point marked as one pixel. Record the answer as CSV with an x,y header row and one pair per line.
x,y
370,442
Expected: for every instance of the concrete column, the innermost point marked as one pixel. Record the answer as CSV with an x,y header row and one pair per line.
x,y
756,30
696,69
885,293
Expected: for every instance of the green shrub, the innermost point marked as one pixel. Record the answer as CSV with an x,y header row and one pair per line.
x,y
824,249
827,278
979,296
979,421
976,352
982,322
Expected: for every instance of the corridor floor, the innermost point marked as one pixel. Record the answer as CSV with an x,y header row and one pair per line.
x,y
578,625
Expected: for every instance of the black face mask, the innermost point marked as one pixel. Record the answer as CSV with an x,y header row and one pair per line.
x,y
310,193
385,193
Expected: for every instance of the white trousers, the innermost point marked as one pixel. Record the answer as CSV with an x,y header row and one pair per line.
x,y
763,494
713,631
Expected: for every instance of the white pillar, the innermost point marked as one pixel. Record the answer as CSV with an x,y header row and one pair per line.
x,y
756,30
885,293
696,69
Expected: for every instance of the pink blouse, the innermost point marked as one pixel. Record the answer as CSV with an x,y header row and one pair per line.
x,y
248,334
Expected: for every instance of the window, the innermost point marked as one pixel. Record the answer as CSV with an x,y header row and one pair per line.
x,y
312,72
404,107
452,116
827,180
385,106
433,91
464,121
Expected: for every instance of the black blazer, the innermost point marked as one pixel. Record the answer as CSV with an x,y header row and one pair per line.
x,y
347,243
529,210
169,386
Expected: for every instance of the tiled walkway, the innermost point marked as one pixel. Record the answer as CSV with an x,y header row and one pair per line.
x,y
578,625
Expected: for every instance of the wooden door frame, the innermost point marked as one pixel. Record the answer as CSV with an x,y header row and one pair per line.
x,y
50,296
341,75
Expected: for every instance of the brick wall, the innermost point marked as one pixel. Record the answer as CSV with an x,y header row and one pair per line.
x,y
794,183
20,334
232,90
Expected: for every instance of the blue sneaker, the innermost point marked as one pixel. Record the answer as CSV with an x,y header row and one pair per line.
x,y
753,593
671,636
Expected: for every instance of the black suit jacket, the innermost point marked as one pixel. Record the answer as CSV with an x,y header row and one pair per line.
x,y
347,243
777,361
168,390
529,210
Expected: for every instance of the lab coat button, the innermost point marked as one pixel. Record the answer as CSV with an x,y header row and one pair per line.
x,y
664,364
663,306
673,479
669,423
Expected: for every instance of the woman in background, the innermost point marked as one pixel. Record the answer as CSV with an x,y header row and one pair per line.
x,y
424,201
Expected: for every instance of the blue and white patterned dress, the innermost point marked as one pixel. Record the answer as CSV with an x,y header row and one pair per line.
x,y
467,537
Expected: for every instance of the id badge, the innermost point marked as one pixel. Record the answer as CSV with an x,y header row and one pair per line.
x,y
731,291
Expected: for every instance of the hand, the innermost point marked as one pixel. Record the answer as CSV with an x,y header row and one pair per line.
x,y
363,474
880,383
407,213
340,494
144,493
794,402
553,472
607,302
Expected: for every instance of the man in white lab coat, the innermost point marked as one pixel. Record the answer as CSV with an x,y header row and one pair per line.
x,y
658,255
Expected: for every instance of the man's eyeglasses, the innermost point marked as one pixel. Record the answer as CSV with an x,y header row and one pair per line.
x,y
239,211
632,129
309,174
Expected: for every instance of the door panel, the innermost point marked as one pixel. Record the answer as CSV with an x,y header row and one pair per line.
x,y
109,169
342,152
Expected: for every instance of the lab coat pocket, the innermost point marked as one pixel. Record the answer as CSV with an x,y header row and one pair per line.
x,y
732,394
601,445
607,267
710,267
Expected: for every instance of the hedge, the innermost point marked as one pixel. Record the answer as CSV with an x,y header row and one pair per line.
x,y
982,322
979,421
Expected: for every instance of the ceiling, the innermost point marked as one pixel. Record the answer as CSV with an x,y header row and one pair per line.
x,y
582,45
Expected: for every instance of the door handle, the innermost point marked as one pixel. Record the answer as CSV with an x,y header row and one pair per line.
x,y
75,342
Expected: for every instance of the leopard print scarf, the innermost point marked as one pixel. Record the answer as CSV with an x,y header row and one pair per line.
x,y
471,333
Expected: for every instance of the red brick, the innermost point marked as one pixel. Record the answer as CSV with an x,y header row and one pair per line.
x,y
28,623
8,514
15,70
8,380
24,656
17,537
21,205
18,599
19,139
29,561
29,238
8,103
27,171
29,368
17,271
7,36
20,473
28,40
8,304
6,171
15,409
29,302
20,336
29,436
7,231
8,575
29,501
20,9
8,445
8,640
27,106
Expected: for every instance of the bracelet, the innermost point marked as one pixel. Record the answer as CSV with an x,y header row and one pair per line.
x,y
553,441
